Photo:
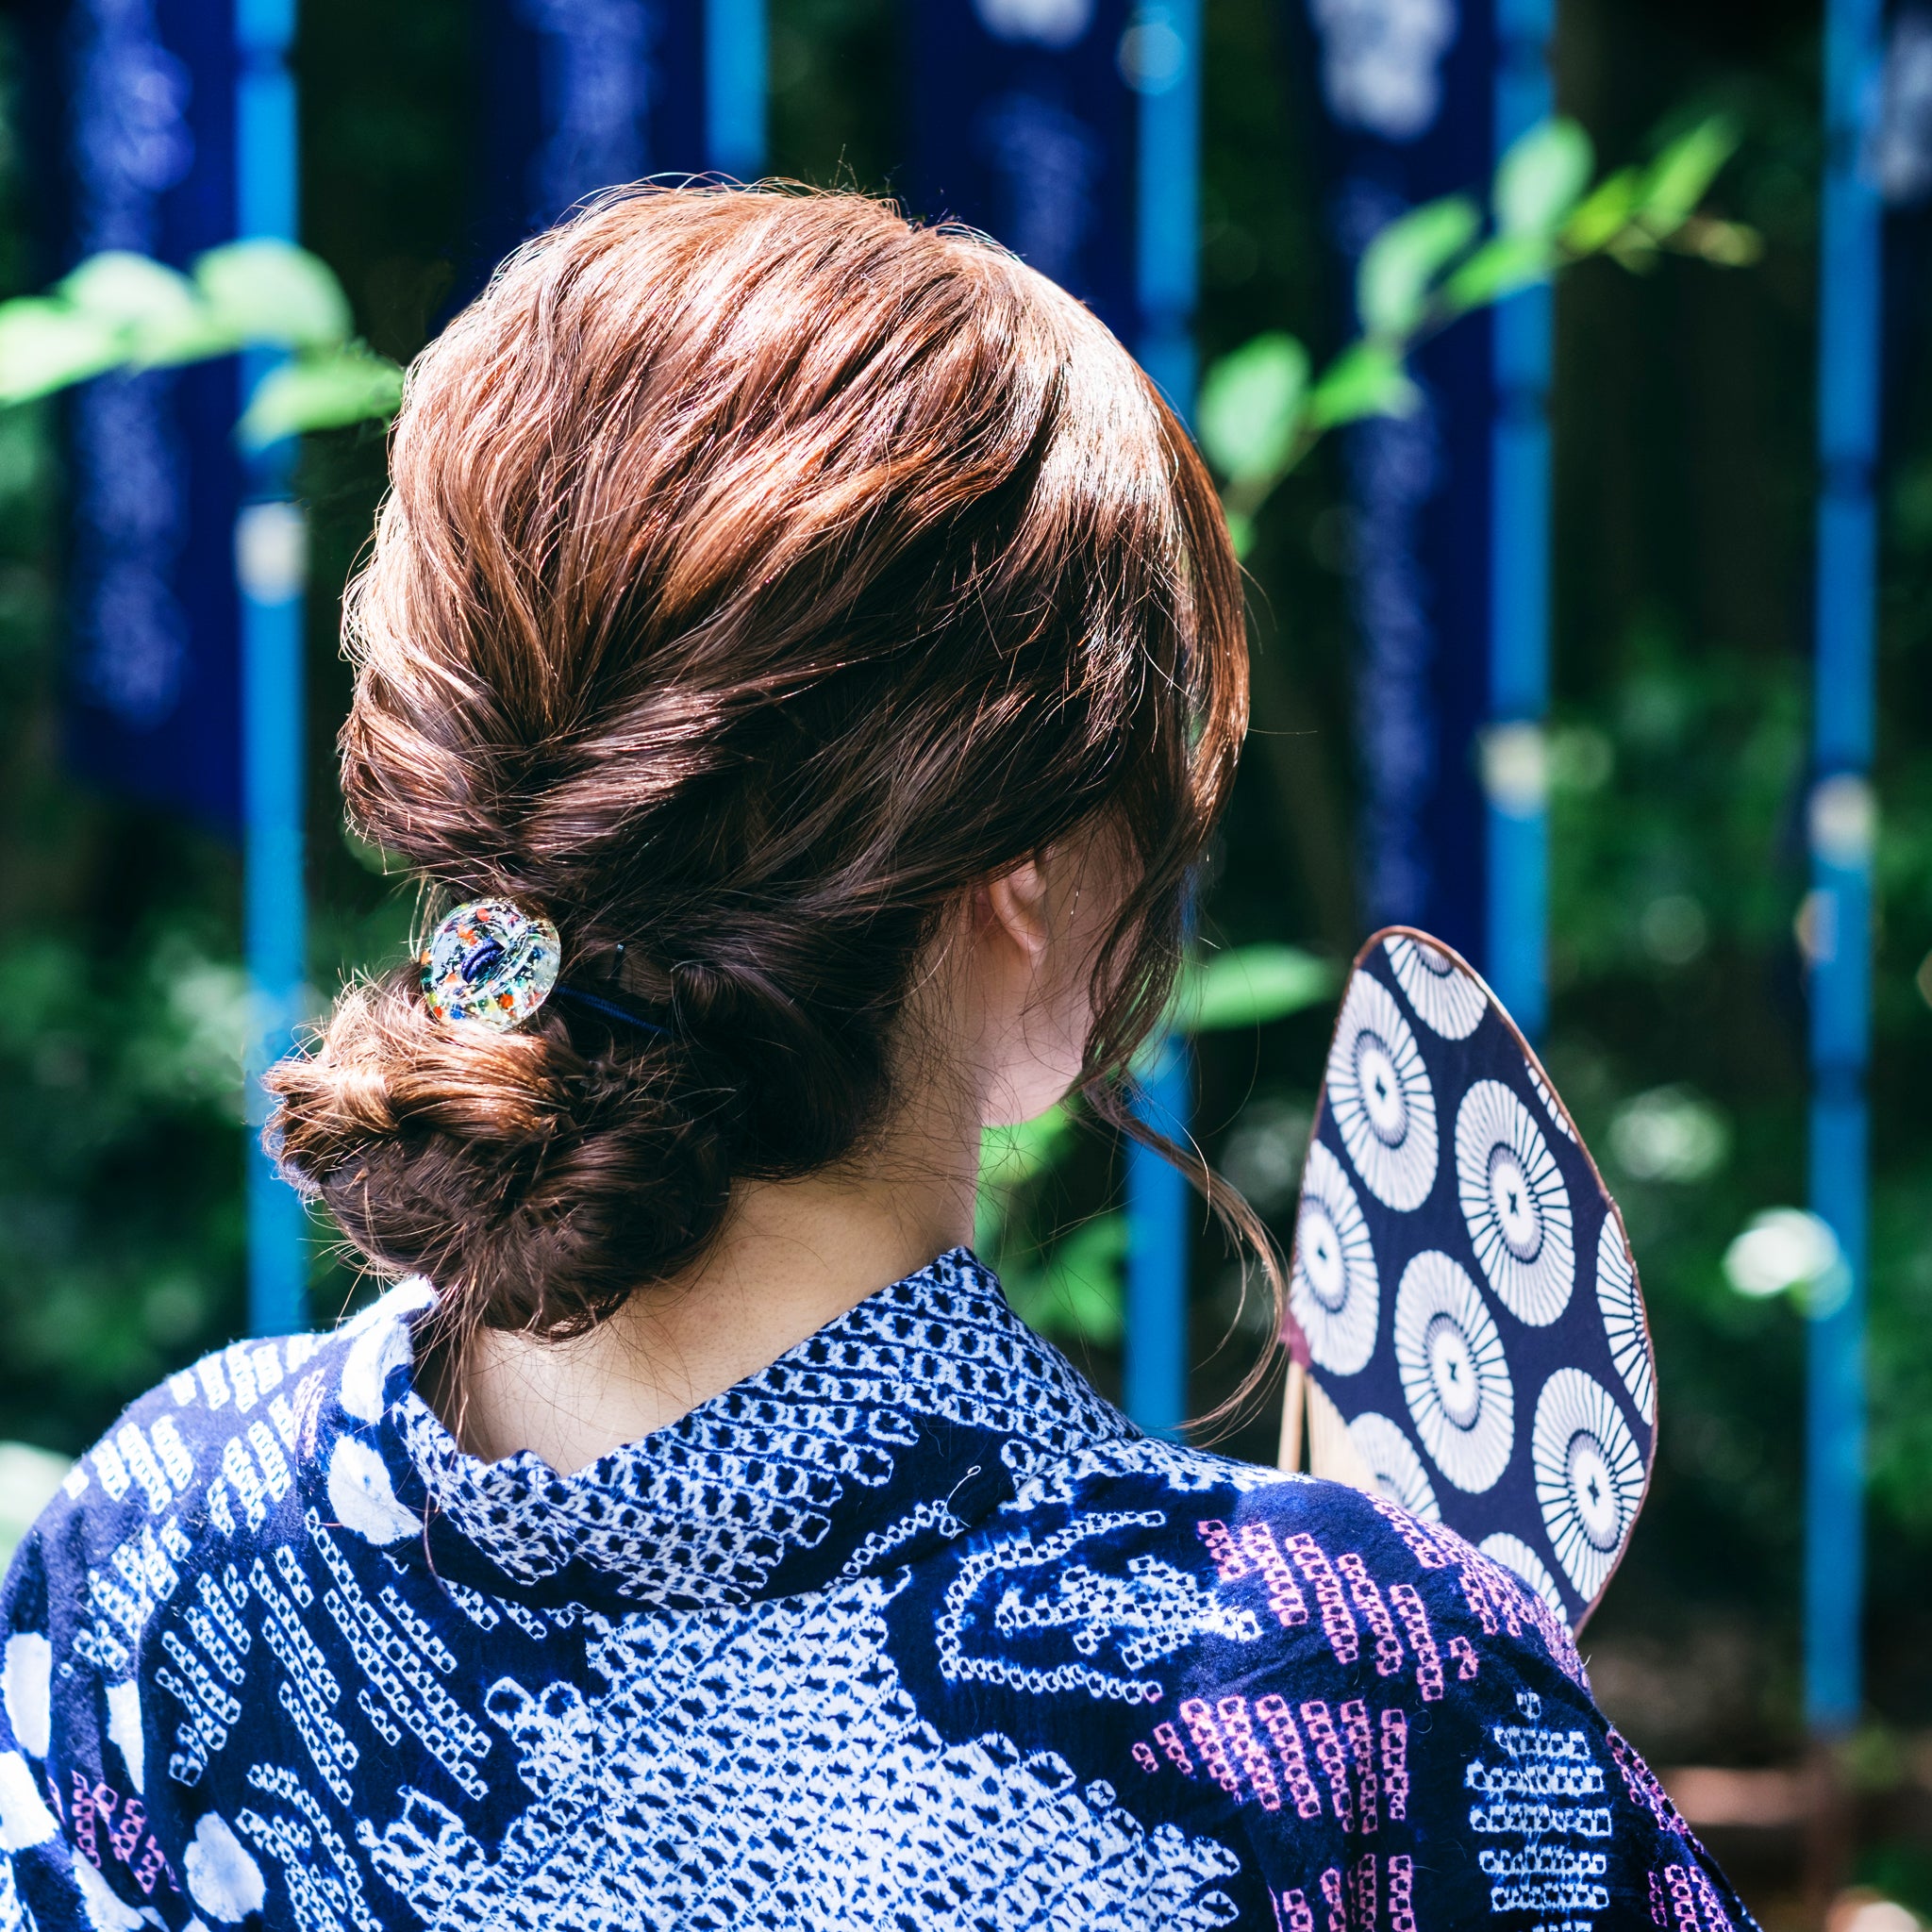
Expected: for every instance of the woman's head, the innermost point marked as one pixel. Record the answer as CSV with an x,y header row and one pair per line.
x,y
764,577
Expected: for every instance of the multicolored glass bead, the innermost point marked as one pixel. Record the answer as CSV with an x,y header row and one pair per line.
x,y
490,964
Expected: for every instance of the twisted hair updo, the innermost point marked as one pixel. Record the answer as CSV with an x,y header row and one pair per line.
x,y
761,572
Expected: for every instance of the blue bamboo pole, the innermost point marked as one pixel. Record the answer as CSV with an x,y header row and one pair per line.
x,y
1517,905
1841,820
1165,67
269,556
735,36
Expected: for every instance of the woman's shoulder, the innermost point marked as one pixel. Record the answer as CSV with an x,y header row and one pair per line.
x,y
216,1446
1344,1575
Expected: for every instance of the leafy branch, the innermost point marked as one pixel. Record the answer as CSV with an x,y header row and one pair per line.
x,y
122,311
1263,408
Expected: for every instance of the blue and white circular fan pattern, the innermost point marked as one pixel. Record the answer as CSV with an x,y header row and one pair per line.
x,y
1589,1478
1624,1318
1462,1283
1333,1290
1515,1203
1455,1375
1379,1095
1396,1469
1444,997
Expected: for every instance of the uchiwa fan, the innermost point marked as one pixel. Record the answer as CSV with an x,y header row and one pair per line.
x,y
1467,1333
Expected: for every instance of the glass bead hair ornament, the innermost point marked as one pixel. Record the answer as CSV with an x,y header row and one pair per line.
x,y
1466,1332
490,963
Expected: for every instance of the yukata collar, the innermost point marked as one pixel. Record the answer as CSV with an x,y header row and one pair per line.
x,y
885,1434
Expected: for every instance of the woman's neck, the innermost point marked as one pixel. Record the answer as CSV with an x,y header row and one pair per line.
x,y
790,1257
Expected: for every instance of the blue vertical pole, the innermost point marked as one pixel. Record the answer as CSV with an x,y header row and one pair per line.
x,y
1517,914
1841,821
269,560
1155,1385
1163,60
735,34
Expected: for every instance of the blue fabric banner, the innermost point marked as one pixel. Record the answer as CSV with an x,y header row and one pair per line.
x,y
137,100
580,95
1024,128
1406,88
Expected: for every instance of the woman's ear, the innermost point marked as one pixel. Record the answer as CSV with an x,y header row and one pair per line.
x,y
1017,903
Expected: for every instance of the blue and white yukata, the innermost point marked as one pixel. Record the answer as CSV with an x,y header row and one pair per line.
x,y
909,1629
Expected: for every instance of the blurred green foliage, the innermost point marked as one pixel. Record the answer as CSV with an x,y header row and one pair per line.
x,y
119,311
1263,408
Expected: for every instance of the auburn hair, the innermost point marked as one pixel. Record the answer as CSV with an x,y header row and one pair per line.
x,y
761,571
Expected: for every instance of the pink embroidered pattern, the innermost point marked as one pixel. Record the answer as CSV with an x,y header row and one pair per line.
x,y
1415,1620
1238,1728
1229,1563
1683,1901
1207,1741
1330,1756
1463,1651
1284,1597
1715,1918
1395,1762
1291,1913
1401,1891
1170,1740
1643,1784
1365,1892
1280,1722
1362,1749
1334,1897
1368,1600
1338,1624
1422,1545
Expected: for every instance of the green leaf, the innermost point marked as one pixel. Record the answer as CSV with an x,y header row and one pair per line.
x,y
325,392
273,292
1248,986
1251,407
47,344
1540,177
130,291
1496,270
159,312
1391,285
1366,379
1240,533
1679,179
1608,210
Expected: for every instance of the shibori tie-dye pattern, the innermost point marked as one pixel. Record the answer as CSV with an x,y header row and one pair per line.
x,y
909,1629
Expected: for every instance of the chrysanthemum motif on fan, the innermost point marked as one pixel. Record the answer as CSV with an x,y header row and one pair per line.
x,y
1444,996
1455,1375
1518,1558
1378,1090
1395,1468
1588,1476
1333,1289
1515,1203
1625,1326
